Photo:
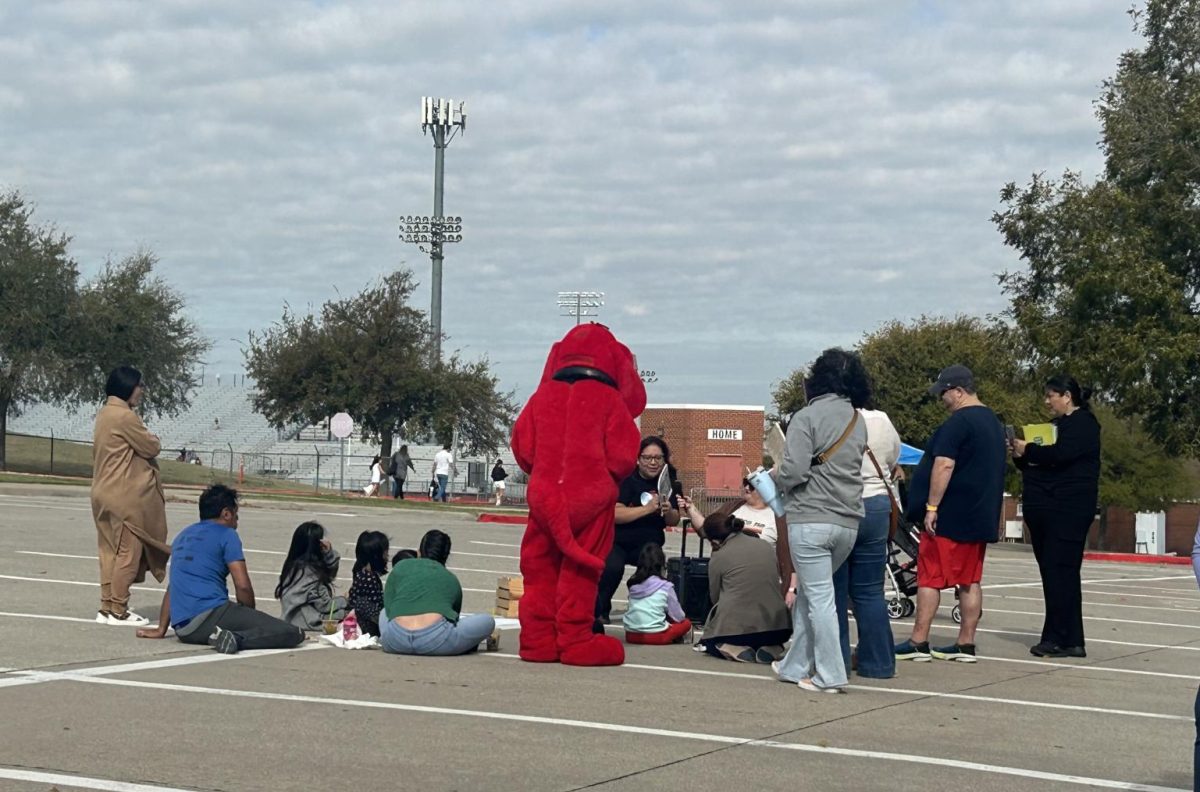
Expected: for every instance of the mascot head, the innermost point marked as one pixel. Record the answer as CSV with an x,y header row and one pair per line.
x,y
591,351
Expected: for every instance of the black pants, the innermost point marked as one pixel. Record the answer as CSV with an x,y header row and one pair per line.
x,y
254,629
1058,541
1196,753
621,555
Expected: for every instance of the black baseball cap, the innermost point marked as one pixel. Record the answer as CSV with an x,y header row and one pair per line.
x,y
956,376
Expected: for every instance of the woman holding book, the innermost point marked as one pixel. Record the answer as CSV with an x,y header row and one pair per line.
x,y
1059,493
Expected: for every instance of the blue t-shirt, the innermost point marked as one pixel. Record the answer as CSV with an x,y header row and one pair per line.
x,y
200,559
970,510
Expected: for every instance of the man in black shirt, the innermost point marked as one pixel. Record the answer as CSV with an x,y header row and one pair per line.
x,y
958,493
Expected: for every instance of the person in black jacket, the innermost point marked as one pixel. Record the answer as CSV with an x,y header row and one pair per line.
x,y
1060,491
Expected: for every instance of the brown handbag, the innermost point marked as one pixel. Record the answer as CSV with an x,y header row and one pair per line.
x,y
894,517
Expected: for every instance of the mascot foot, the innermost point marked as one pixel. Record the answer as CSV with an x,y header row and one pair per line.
x,y
539,654
599,650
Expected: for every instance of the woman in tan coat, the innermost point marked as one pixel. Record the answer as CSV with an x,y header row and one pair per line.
x,y
127,499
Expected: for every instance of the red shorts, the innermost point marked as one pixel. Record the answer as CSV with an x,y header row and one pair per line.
x,y
944,563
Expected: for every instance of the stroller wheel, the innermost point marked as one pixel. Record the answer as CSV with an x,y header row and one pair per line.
x,y
909,607
956,614
896,609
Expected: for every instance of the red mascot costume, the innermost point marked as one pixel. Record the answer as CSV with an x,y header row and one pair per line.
x,y
576,439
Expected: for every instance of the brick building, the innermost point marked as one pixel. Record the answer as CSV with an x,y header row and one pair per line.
x,y
711,444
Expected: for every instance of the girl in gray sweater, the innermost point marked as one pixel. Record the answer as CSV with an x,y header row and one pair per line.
x,y
305,590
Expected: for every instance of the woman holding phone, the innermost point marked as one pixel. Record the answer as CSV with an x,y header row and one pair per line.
x,y
641,517
1059,494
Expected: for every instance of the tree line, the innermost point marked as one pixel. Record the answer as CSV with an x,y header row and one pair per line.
x,y
1109,290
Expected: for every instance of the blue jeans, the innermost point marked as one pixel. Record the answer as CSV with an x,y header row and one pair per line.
x,y
441,638
397,487
441,493
816,653
859,581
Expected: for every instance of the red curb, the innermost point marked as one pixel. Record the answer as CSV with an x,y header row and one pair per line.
x,y
509,519
1139,558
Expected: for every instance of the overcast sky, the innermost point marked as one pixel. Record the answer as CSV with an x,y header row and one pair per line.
x,y
747,182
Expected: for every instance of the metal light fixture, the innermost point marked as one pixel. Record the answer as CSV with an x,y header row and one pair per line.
x,y
577,303
444,119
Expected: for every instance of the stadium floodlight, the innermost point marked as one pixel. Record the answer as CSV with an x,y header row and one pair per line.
x,y
577,303
444,119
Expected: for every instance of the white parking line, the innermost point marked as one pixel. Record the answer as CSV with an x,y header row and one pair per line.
x,y
494,544
1094,618
1106,604
902,691
83,782
620,728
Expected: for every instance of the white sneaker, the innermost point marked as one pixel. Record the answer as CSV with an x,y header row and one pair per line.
x,y
130,619
811,687
101,617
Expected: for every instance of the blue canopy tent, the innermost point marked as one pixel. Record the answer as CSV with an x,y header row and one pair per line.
x,y
910,455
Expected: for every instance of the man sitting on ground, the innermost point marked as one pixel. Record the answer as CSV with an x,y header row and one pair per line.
x,y
197,604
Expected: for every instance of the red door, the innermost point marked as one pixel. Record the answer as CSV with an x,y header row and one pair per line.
x,y
723,472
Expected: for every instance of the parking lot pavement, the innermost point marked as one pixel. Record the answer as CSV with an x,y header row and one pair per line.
x,y
88,706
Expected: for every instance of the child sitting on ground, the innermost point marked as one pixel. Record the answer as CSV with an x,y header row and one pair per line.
x,y
654,615
401,555
365,597
305,590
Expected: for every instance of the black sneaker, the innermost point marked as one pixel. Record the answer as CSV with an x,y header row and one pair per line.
x,y
1074,651
963,653
1047,649
917,652
224,641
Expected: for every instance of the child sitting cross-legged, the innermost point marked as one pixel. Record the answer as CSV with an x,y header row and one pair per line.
x,y
654,615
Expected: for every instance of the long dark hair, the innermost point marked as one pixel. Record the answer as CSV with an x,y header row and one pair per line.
x,y
651,562
839,372
371,550
721,524
435,544
1066,384
305,551
658,441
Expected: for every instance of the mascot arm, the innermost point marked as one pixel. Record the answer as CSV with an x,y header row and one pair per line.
x,y
622,438
524,438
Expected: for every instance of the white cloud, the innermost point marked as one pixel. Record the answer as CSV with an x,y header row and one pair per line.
x,y
726,173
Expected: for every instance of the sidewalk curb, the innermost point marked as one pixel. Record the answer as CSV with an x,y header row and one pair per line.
x,y
1138,558
504,519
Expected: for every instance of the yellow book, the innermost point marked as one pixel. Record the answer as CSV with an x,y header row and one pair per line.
x,y
1040,434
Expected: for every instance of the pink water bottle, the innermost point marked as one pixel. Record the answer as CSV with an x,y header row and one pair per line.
x,y
350,627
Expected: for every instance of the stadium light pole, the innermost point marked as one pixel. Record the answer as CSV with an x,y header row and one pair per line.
x,y
577,303
443,119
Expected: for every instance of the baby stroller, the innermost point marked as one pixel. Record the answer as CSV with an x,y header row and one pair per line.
x,y
902,572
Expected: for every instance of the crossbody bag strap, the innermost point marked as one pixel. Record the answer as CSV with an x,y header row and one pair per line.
x,y
884,479
825,455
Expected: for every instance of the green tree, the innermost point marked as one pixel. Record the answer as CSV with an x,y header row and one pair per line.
x,y
59,341
367,355
128,315
905,359
1112,287
1135,473
38,287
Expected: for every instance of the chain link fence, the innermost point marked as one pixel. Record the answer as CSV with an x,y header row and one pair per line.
x,y
318,470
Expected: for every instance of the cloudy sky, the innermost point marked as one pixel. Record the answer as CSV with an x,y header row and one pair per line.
x,y
747,182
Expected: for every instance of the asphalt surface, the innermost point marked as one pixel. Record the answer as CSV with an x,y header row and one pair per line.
x,y
87,706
